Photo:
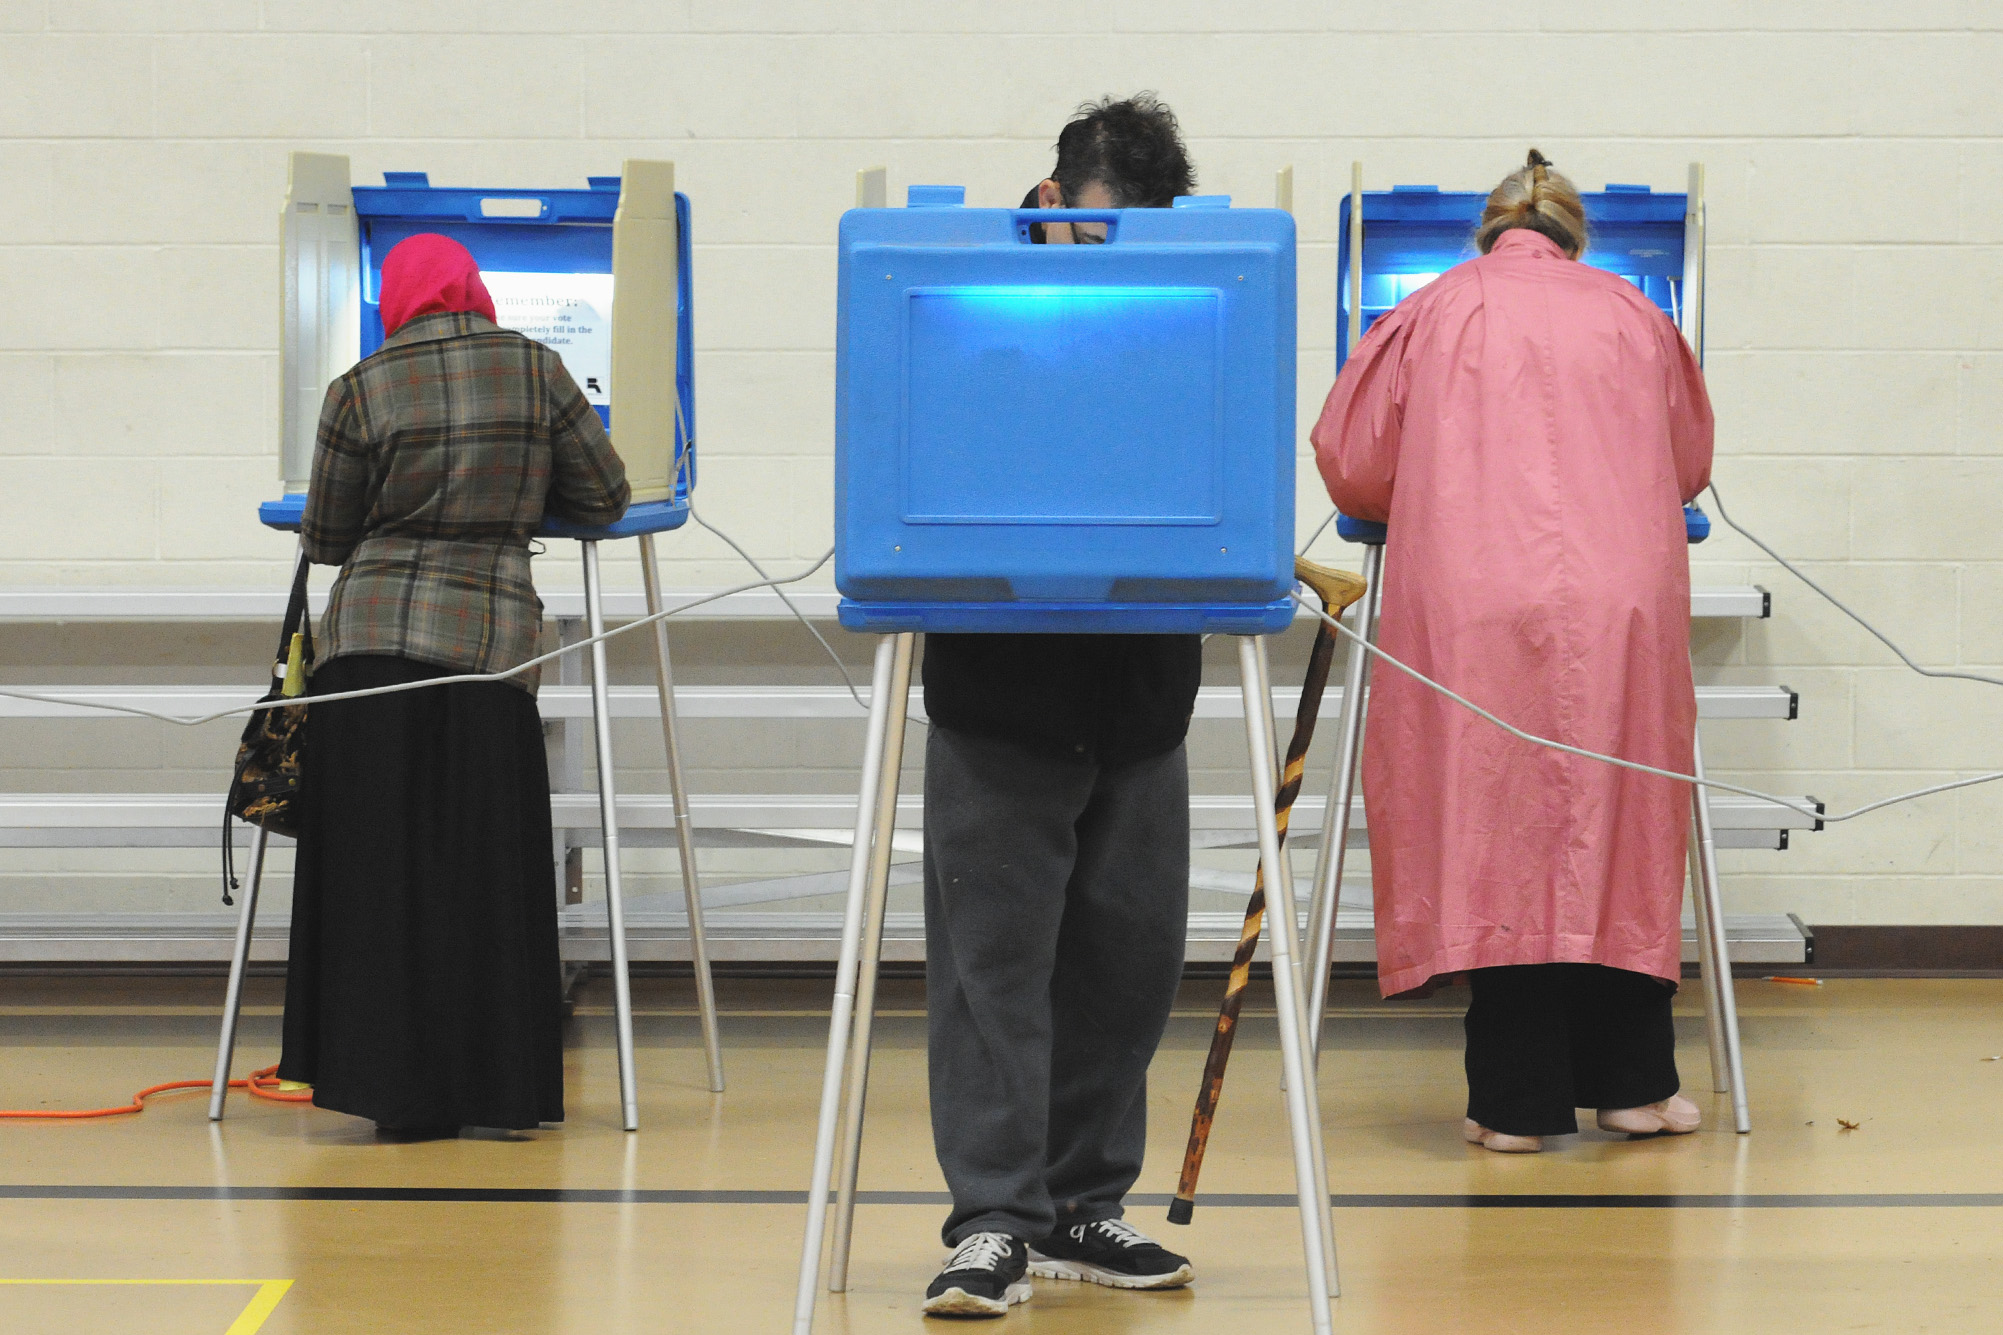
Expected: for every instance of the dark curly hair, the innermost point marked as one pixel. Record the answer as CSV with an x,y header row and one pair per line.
x,y
1133,147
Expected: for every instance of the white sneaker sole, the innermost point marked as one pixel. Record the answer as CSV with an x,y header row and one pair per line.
x,y
958,1302
1044,1267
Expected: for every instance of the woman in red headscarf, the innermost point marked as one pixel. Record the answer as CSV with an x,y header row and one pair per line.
x,y
423,986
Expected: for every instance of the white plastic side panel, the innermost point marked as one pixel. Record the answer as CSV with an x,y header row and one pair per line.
x,y
1283,189
320,295
644,284
872,188
1693,262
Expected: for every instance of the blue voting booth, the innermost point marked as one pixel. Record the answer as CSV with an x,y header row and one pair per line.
x,y
554,262
1411,234
1393,243
1046,439
1065,437
546,257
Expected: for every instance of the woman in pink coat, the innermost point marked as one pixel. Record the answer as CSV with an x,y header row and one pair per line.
x,y
1528,427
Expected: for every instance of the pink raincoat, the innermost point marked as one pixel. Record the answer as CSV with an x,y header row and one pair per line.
x,y
1528,426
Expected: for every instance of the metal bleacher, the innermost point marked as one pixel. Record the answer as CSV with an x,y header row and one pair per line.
x,y
742,925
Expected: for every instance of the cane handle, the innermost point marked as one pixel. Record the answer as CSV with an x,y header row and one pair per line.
x,y
1337,589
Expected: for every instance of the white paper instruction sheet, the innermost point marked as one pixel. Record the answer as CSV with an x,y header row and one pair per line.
x,y
571,313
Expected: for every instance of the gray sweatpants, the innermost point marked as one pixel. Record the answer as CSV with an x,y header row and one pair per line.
x,y
1056,909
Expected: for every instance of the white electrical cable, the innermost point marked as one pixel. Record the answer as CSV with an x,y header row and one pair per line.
x,y
199,719
791,606
1315,536
1844,607
683,444
766,582
1637,766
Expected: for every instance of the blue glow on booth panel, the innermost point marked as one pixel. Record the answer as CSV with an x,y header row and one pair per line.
x,y
1065,438
985,367
1413,234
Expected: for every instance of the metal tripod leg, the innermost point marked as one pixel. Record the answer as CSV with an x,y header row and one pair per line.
x,y
1303,1124
246,918
1265,686
1282,893
872,955
1711,925
1707,969
608,818
842,1013
1326,900
664,682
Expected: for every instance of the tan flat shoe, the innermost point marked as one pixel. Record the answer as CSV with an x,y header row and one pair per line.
x,y
1476,1134
1674,1116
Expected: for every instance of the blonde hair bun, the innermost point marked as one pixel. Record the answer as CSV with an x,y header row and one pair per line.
x,y
1539,198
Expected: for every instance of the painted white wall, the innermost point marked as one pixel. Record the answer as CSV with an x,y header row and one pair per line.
x,y
1856,288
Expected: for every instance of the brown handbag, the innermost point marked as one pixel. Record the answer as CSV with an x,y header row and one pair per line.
x,y
265,784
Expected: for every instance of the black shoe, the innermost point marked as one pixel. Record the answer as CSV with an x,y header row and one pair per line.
x,y
985,1278
1110,1252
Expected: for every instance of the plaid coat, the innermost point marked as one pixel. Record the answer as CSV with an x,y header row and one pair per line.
x,y
436,458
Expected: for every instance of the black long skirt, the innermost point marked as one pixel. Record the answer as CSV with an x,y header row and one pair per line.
x,y
423,989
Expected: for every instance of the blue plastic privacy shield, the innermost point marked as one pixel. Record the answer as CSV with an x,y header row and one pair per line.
x,y
546,257
1414,233
1065,437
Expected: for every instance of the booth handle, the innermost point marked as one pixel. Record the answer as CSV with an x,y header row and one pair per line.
x,y
1024,217
509,206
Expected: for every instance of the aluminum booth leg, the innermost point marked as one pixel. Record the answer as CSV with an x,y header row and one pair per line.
x,y
608,817
1303,1124
842,1012
872,956
1711,925
1707,969
664,683
1284,903
246,919
1326,899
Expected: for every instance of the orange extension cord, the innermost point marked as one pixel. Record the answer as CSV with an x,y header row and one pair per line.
x,y
261,1084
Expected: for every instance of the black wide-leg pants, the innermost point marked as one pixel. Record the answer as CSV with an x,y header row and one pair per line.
x,y
1546,1039
423,989
1056,914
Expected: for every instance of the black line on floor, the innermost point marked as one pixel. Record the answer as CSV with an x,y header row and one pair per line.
x,y
1225,1200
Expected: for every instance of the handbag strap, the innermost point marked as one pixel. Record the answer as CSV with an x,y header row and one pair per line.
x,y
297,619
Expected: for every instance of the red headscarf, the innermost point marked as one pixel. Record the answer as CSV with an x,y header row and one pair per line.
x,y
428,273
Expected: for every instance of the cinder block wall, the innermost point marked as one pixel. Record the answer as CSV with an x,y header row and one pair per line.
x,y
1856,345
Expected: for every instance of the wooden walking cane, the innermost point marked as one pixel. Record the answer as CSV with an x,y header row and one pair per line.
x,y
1337,589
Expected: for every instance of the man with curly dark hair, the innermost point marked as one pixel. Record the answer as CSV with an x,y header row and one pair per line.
x,y
1056,877
1116,155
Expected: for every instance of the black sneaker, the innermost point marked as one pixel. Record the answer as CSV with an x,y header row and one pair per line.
x,y
986,1277
1110,1252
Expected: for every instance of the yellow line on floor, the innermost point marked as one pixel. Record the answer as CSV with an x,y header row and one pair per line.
x,y
261,1304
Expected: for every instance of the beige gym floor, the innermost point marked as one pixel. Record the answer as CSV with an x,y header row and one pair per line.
x,y
1801,1226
